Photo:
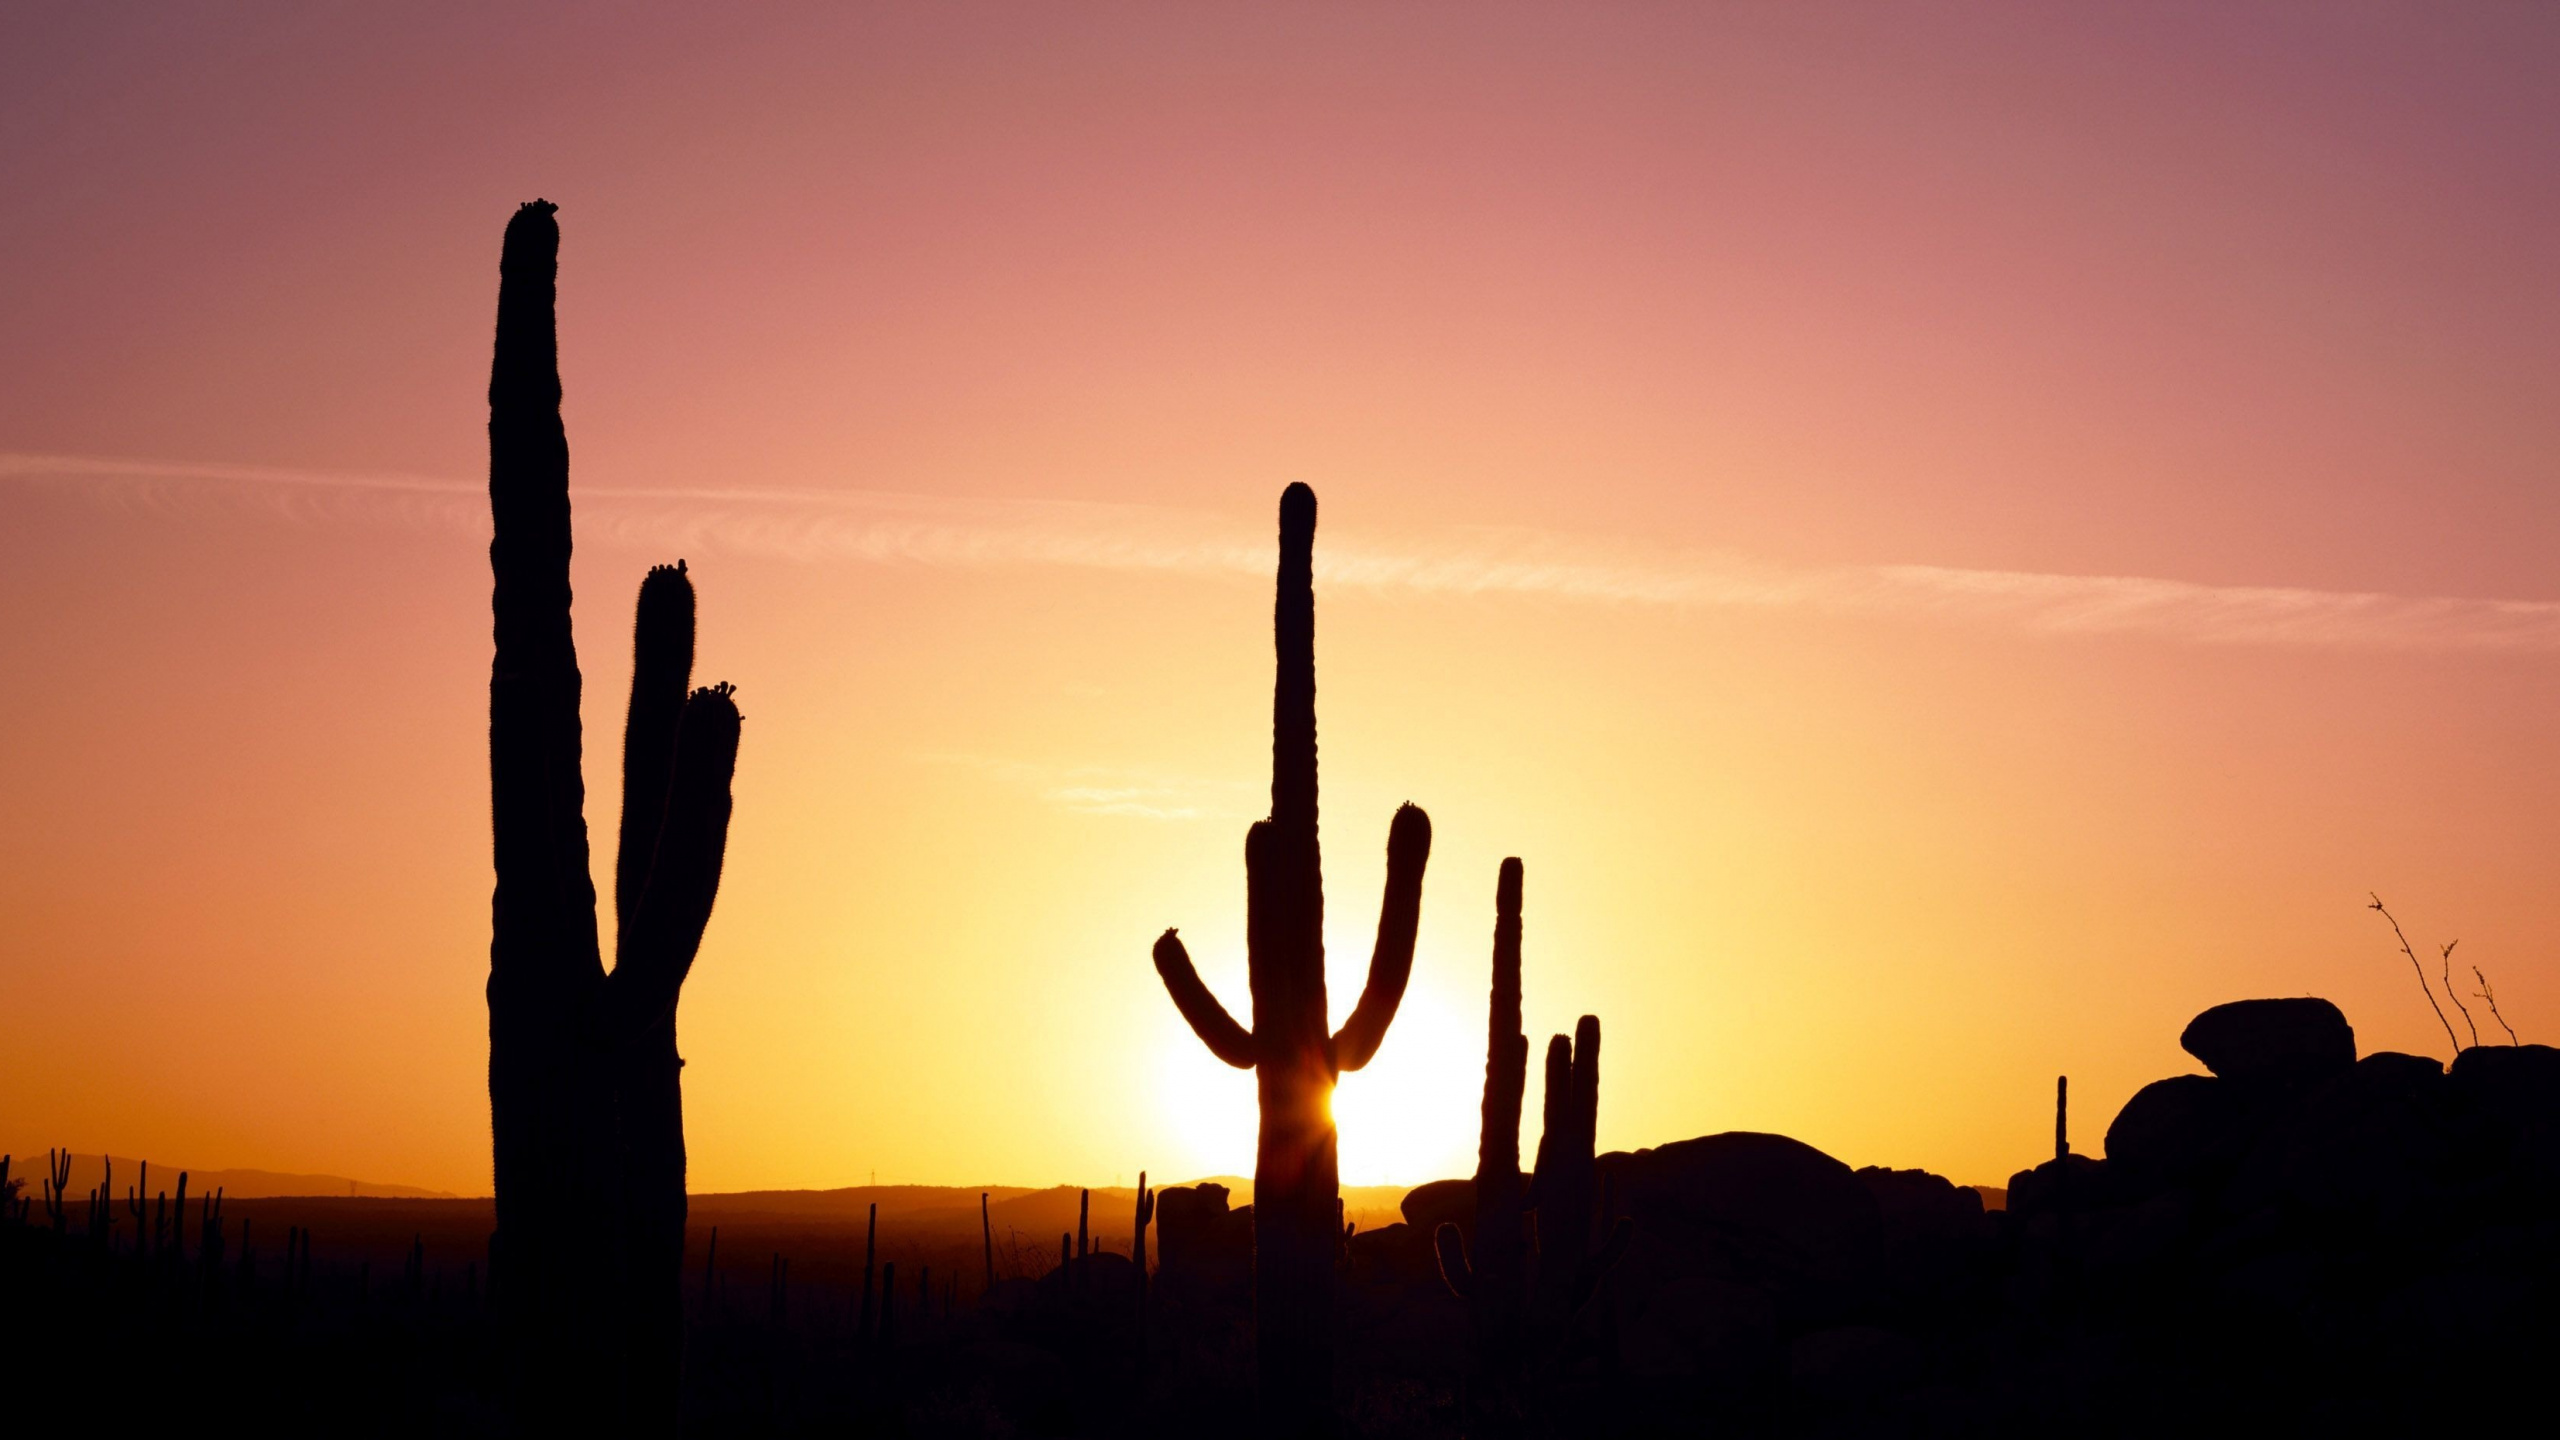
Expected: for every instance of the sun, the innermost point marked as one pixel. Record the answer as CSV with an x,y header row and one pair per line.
x,y
1410,1116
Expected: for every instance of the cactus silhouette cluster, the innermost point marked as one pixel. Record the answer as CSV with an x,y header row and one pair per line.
x,y
1524,1287
585,1104
1295,1059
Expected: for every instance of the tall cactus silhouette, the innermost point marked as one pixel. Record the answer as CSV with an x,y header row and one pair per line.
x,y
1493,1279
1294,1058
1522,1299
586,1113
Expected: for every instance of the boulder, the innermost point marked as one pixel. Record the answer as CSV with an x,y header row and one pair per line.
x,y
2515,1091
2370,1150
2283,1041
2510,1082
1395,1255
1451,1202
1702,1326
1915,1203
2176,1132
2072,1182
1762,1210
1933,1230
1200,1241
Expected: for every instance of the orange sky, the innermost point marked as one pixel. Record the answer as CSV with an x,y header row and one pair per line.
x,y
1948,541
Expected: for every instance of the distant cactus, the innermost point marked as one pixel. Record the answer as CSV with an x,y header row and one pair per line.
x,y
987,1237
1523,1300
710,1259
57,1187
209,1232
870,1255
585,1103
1296,1177
1146,1214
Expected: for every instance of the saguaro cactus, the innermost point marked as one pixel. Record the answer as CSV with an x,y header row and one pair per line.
x,y
585,1110
1522,1301
1294,1059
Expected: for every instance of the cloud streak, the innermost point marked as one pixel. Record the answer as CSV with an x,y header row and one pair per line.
x,y
880,528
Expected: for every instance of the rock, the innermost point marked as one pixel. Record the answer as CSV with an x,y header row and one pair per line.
x,y
1762,1210
1199,1241
2515,1090
2370,1149
2511,1082
2128,1243
1917,1202
1395,1255
2287,1041
2175,1132
2404,1074
2073,1182
1934,1229
1452,1202
1700,1325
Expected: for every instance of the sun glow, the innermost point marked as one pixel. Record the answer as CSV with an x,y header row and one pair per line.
x,y
1409,1117
1412,1114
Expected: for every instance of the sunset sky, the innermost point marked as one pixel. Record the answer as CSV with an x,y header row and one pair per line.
x,y
1948,538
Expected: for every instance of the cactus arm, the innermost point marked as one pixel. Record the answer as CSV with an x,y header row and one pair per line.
x,y
1551,1121
1209,1020
684,875
1506,1064
1452,1250
661,673
1391,963
1583,1089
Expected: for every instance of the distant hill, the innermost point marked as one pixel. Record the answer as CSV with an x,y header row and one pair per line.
x,y
234,1184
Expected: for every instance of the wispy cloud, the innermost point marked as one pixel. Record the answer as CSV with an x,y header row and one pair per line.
x,y
873,527
1111,790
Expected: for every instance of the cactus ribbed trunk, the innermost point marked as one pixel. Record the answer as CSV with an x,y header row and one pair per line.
x,y
586,1113
1296,1183
546,1089
1295,1179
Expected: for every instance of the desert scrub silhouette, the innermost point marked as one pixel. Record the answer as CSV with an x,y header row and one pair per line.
x,y
2486,994
586,1110
1295,1060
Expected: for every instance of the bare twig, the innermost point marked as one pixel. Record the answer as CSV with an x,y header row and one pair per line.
x,y
2489,993
2450,994
2430,990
